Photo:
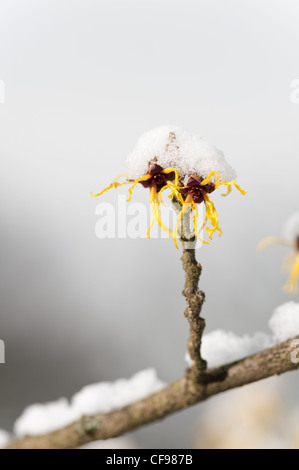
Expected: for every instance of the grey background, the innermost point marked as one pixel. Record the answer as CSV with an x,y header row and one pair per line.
x,y
83,80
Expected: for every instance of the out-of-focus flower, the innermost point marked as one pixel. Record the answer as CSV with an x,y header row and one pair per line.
x,y
170,158
291,260
253,417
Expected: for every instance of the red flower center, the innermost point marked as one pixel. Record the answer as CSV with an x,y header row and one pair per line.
x,y
158,178
195,190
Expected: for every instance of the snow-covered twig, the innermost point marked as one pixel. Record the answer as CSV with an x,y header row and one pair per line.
x,y
158,169
179,395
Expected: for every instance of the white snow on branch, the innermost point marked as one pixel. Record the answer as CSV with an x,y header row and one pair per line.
x,y
171,146
230,346
108,396
97,398
220,346
41,418
284,322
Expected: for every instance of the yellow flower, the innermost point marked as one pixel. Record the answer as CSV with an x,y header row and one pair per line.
x,y
156,179
195,192
290,263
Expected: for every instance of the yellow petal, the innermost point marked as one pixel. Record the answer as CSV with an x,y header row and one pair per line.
x,y
170,170
208,179
273,241
174,192
229,184
211,214
154,200
149,227
196,220
143,178
292,285
112,185
229,190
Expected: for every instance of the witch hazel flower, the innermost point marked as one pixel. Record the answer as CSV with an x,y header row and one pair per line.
x,y
169,157
196,191
291,261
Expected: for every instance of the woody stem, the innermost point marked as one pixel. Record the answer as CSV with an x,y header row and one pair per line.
x,y
194,297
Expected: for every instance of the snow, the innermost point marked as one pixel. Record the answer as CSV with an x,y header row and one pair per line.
x,y
4,438
96,398
174,147
220,346
231,347
108,396
42,418
284,322
291,227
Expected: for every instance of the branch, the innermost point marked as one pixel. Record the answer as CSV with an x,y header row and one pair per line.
x,y
177,396
197,385
194,297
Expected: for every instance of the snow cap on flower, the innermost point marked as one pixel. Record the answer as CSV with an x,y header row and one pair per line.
x,y
171,146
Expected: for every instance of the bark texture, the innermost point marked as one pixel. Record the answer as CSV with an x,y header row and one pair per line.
x,y
177,396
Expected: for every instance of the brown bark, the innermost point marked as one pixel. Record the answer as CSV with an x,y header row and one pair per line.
x,y
197,385
195,299
177,396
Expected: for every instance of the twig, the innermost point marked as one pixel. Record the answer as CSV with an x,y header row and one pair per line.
x,y
179,395
194,298
197,385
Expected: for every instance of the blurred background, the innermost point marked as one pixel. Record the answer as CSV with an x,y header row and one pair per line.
x,y
83,79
